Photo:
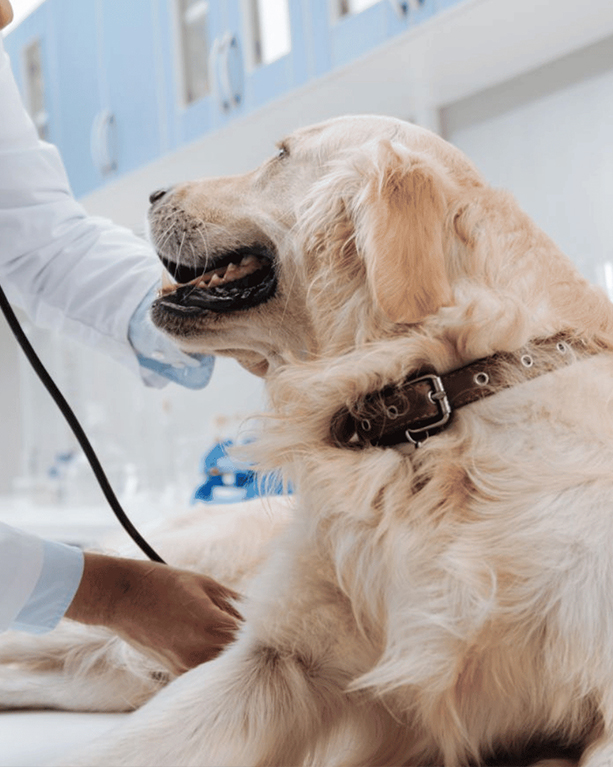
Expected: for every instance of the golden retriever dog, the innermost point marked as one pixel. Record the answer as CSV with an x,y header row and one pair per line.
x,y
440,592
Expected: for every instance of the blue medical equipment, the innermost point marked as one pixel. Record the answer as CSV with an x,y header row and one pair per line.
x,y
228,479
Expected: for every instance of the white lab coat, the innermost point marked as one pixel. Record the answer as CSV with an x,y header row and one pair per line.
x,y
38,580
64,269
21,560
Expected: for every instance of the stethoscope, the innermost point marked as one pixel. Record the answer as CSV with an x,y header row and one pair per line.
x,y
77,429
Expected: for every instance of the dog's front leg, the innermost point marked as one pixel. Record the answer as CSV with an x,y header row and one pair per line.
x,y
254,705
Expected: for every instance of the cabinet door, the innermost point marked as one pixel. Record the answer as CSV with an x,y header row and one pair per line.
x,y
128,75
189,34
56,70
347,29
77,88
263,53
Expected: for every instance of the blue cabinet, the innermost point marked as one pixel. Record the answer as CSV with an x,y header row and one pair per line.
x,y
271,66
72,84
243,73
69,79
94,66
192,27
128,82
346,36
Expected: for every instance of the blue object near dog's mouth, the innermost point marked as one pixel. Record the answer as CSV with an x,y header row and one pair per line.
x,y
238,280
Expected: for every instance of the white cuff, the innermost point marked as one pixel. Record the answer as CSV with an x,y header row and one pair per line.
x,y
57,584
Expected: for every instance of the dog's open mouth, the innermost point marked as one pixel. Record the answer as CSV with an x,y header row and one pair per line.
x,y
238,280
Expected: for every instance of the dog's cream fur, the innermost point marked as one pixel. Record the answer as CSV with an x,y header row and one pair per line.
x,y
423,606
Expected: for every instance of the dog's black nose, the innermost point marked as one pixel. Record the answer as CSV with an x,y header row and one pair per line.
x,y
157,195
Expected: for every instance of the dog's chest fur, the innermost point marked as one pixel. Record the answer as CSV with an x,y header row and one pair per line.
x,y
449,574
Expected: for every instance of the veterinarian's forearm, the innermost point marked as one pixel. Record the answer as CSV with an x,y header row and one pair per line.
x,y
100,590
180,618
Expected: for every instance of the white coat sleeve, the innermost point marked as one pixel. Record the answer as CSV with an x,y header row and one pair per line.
x,y
82,275
38,580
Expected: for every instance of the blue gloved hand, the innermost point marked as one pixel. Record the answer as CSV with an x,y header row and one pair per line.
x,y
159,359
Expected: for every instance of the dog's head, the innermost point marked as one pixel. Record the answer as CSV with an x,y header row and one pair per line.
x,y
355,230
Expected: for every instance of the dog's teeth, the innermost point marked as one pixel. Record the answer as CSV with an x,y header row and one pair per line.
x,y
168,284
166,280
213,278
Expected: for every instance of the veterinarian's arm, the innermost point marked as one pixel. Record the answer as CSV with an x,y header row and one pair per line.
x,y
82,275
180,618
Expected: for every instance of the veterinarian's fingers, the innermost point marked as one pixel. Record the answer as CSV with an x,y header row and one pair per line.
x,y
195,623
185,626
191,648
6,13
222,597
180,646
198,640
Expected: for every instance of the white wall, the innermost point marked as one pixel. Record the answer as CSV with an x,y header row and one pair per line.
x,y
548,138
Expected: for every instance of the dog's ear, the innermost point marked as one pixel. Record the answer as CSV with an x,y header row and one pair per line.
x,y
399,231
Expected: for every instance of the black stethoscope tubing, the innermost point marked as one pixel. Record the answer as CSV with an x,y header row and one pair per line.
x,y
77,429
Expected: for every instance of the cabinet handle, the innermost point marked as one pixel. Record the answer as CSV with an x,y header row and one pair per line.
x,y
213,72
103,143
402,7
227,71
233,71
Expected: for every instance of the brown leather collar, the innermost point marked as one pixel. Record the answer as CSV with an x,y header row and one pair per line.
x,y
423,404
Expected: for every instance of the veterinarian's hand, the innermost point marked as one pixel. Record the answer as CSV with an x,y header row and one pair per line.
x,y
180,618
6,13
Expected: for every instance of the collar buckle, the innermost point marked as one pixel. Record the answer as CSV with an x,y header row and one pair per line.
x,y
437,395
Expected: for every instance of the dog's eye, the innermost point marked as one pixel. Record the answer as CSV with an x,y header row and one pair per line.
x,y
282,151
